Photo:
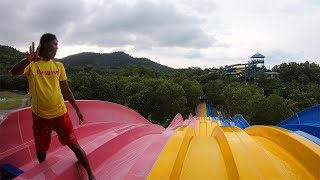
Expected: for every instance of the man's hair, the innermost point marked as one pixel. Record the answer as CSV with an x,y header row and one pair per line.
x,y
45,38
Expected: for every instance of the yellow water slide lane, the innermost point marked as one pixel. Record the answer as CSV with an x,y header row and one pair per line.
x,y
244,157
259,152
170,161
203,109
298,157
190,157
204,160
204,126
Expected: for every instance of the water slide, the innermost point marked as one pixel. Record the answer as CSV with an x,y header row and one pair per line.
x,y
306,123
232,65
238,120
121,144
233,73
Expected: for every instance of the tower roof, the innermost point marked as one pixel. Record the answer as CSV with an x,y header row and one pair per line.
x,y
258,55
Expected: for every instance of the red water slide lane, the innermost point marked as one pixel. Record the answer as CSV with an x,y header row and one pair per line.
x,y
116,139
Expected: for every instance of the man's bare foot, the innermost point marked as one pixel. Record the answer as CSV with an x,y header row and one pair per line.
x,y
91,177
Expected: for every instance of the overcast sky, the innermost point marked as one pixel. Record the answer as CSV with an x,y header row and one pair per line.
x,y
176,33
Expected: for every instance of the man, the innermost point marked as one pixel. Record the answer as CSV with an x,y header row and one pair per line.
x,y
49,112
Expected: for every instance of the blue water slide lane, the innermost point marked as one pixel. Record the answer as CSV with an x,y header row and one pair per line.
x,y
225,123
240,121
209,109
305,123
307,116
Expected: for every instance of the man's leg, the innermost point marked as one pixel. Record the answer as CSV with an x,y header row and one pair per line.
x,y
82,157
42,129
64,128
41,156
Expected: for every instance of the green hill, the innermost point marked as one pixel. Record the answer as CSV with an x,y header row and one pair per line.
x,y
9,56
115,59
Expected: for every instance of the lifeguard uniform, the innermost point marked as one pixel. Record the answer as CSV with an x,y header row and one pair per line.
x,y
48,109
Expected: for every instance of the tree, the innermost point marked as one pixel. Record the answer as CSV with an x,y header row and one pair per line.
x,y
214,92
275,110
193,90
243,99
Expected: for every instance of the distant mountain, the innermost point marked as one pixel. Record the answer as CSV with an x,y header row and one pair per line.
x,y
115,59
9,56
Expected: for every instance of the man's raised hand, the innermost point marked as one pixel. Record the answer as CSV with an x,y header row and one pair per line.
x,y
33,55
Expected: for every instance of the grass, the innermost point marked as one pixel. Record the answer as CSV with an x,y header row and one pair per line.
x,y
11,100
10,104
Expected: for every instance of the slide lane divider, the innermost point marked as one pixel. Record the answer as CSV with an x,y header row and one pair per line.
x,y
254,156
170,161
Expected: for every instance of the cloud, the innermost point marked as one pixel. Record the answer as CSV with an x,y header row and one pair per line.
x,y
28,20
300,7
160,24
103,23
277,56
198,6
172,32
193,55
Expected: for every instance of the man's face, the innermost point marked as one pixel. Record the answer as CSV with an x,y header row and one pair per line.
x,y
52,48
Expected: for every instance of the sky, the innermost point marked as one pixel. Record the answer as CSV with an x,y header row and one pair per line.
x,y
175,33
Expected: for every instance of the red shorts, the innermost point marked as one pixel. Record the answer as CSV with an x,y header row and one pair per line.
x,y
43,127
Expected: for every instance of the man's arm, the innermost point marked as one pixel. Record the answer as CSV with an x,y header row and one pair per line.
x,y
69,96
18,68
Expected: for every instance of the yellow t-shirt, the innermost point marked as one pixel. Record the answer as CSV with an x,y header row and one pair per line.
x,y
44,84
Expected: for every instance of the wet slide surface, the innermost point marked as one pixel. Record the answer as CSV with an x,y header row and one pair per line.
x,y
114,137
121,144
259,152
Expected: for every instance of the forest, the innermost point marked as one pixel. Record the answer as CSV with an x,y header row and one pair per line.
x,y
159,95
